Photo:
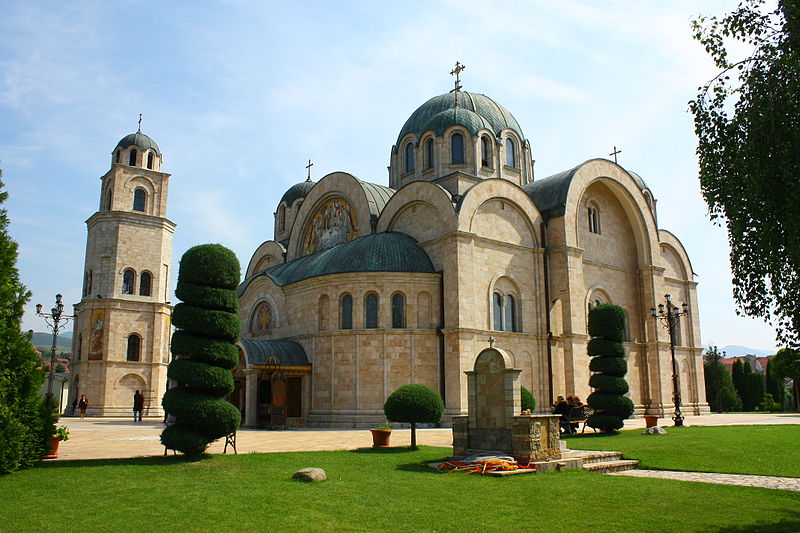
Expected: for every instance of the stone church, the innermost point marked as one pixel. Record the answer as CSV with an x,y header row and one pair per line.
x,y
364,288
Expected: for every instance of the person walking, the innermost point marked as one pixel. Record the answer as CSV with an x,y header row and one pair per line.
x,y
138,405
83,404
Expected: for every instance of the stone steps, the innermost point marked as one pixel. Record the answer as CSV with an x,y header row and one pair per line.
x,y
599,461
606,467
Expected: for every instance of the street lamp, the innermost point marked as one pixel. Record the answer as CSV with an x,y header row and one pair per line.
x,y
669,315
56,320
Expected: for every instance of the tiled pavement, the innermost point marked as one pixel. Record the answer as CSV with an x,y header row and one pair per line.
x,y
765,482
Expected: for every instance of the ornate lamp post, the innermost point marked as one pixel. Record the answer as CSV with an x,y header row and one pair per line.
x,y
56,320
669,315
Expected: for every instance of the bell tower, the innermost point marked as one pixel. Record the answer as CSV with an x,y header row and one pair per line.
x,y
122,324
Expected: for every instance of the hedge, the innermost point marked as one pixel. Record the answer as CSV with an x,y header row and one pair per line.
x,y
607,321
610,384
210,265
218,353
207,323
528,401
605,348
414,404
607,327
613,366
208,297
212,380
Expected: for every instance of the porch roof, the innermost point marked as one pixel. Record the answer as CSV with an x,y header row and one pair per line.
x,y
286,353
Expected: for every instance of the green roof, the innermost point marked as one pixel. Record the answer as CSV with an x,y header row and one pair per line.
x,y
286,353
139,139
379,252
296,191
471,110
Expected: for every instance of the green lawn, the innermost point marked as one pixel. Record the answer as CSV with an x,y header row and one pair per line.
x,y
762,450
368,490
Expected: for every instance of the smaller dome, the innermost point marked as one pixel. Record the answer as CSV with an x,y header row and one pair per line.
x,y
296,191
140,140
638,179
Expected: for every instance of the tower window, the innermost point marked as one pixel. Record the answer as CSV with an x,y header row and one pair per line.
x,y
594,220
429,153
510,314
282,218
371,311
139,199
80,346
409,157
486,152
128,278
132,157
347,312
116,156
457,149
108,200
145,283
398,311
150,160
134,347
497,309
511,155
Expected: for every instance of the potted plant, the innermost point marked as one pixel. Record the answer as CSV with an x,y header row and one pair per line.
x,y
649,420
380,435
61,433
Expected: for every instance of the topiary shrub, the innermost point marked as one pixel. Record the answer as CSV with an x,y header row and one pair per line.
x,y
528,401
413,404
204,350
611,408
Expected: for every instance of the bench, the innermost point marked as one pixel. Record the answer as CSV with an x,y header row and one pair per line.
x,y
580,414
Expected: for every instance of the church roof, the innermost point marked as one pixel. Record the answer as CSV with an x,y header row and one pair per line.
x,y
139,139
379,252
296,191
286,353
377,196
471,110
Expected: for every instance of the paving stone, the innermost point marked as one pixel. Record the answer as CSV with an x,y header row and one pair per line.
x,y
765,482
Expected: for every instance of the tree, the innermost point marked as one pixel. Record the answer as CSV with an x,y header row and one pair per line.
x,y
787,363
527,400
414,404
755,391
26,423
747,120
739,379
720,391
204,350
774,384
611,406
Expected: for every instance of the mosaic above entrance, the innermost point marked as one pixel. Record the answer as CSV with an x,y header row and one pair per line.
x,y
333,223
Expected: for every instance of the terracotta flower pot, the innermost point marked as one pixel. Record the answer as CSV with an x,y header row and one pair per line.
x,y
55,440
650,420
380,437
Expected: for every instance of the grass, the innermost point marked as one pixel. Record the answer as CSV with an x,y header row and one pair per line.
x,y
760,450
368,490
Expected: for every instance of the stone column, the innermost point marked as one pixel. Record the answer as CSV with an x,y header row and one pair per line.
x,y
251,397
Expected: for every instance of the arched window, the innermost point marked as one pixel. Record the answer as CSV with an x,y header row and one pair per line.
x,y
510,314
429,153
108,200
89,283
371,311
145,283
409,157
594,220
511,155
86,284
134,347
457,149
282,218
347,311
128,278
116,156
132,157
497,311
398,310
150,159
80,346
139,199
486,152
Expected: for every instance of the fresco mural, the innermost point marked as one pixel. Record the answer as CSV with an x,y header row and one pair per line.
x,y
332,224
261,324
98,328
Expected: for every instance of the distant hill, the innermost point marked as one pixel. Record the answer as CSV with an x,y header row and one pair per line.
x,y
46,339
734,350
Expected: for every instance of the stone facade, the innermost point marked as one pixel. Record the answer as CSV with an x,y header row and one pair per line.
x,y
511,257
122,324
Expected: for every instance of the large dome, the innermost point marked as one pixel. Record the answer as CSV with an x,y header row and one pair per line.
x,y
138,139
473,111
298,190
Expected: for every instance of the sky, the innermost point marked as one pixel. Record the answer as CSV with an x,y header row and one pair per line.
x,y
240,94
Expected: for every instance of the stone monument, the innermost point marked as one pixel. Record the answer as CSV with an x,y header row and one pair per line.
x,y
494,422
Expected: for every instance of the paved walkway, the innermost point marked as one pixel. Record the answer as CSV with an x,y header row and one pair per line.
x,y
764,482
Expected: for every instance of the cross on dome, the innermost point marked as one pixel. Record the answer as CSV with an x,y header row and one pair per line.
x,y
457,73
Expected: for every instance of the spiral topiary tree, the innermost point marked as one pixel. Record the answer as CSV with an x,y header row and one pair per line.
x,y
413,404
204,350
527,400
611,406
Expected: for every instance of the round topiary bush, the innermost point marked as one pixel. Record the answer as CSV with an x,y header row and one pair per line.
x,y
204,350
413,404
528,401
611,407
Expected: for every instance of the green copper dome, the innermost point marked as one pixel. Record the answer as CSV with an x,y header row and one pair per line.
x,y
471,110
138,139
296,191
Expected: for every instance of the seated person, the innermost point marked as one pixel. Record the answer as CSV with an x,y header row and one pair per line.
x,y
562,408
575,405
